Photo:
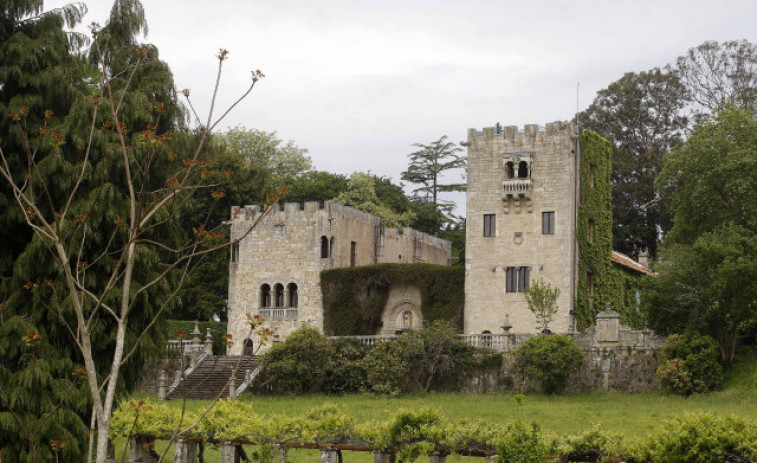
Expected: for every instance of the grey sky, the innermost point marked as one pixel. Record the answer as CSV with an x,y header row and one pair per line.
x,y
358,82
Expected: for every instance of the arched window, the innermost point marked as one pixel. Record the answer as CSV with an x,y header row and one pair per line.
x,y
248,347
278,291
324,247
292,294
523,169
265,296
509,170
331,248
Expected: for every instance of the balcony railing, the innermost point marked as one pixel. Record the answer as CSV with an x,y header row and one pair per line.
x,y
278,313
517,185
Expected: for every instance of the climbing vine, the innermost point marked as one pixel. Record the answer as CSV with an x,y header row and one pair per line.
x,y
353,298
596,281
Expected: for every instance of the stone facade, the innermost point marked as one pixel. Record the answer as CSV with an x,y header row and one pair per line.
x,y
521,225
278,256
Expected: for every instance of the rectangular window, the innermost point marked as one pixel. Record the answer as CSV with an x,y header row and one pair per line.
x,y
511,276
524,277
548,223
235,252
353,254
490,224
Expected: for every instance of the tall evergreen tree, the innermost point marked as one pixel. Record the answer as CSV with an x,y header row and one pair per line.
x,y
428,164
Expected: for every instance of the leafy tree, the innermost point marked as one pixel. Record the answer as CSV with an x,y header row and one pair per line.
x,y
712,179
427,166
707,287
361,194
315,185
641,114
549,359
689,364
299,363
542,302
101,190
264,151
718,75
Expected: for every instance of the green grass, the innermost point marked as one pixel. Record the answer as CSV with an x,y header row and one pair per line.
x,y
632,415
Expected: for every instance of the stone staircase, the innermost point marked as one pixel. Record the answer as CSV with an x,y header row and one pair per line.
x,y
210,377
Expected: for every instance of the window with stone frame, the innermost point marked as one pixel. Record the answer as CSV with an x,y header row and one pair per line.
x,y
235,252
265,296
324,247
509,170
278,291
490,225
523,169
548,223
524,278
353,254
292,295
511,279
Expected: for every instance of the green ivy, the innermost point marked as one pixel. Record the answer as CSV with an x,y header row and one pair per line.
x,y
353,298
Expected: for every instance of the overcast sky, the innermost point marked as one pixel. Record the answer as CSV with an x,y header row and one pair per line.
x,y
358,82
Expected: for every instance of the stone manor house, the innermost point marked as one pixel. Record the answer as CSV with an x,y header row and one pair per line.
x,y
523,200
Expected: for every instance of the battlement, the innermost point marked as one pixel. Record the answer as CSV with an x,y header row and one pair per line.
x,y
310,211
306,210
529,132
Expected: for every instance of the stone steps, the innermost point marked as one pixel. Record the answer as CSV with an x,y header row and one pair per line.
x,y
210,378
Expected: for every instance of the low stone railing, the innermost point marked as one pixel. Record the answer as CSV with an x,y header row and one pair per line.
x,y
279,313
367,340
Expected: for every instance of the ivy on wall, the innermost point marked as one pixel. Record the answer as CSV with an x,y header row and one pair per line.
x,y
611,284
596,281
353,298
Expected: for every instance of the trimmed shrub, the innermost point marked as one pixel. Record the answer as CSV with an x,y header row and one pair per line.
x,y
299,363
549,359
689,364
701,438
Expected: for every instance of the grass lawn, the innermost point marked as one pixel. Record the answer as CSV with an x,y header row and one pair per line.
x,y
632,415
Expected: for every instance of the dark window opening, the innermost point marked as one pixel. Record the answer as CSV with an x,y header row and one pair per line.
x,y
490,224
324,247
235,252
278,290
248,347
292,294
523,169
524,277
509,170
511,277
265,296
353,254
548,223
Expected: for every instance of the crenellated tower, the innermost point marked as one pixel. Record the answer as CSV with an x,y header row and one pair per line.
x,y
521,204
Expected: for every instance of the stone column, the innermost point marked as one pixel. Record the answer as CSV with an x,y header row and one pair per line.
x,y
492,458
184,452
139,450
208,342
328,456
437,457
383,457
162,385
232,388
229,453
196,334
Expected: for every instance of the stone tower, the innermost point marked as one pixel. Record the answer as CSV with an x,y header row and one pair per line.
x,y
521,225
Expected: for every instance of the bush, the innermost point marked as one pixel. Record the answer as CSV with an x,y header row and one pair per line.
x,y
346,372
298,364
689,364
549,359
701,437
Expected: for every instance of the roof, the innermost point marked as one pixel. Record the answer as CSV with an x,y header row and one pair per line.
x,y
625,261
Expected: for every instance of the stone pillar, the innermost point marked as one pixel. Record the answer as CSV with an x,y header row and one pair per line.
x,y
196,334
437,457
608,328
492,458
177,376
162,385
383,457
281,454
139,450
328,456
232,388
229,453
208,342
184,452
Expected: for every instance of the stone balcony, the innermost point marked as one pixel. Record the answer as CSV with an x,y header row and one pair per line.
x,y
278,313
517,186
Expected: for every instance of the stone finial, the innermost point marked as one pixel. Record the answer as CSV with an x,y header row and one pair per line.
x,y
162,385
232,388
196,334
208,342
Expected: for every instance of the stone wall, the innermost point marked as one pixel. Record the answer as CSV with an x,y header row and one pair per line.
x,y
290,246
517,205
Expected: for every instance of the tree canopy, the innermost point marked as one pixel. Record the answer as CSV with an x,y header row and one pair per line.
x,y
428,164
